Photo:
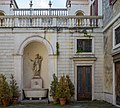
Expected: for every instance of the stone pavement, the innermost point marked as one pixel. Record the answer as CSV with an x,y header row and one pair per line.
x,y
91,104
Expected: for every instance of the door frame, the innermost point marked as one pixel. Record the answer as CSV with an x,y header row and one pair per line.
x,y
114,84
84,63
84,73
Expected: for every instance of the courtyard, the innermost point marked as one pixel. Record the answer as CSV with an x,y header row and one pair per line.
x,y
84,104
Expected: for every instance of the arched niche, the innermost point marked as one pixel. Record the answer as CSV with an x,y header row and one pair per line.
x,y
29,54
27,50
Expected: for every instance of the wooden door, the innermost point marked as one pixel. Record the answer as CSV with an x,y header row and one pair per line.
x,y
84,85
117,82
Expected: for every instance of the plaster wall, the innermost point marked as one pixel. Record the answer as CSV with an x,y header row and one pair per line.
x,y
109,86
111,10
110,21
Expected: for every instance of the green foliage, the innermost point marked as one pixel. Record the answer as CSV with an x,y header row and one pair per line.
x,y
14,88
87,35
79,51
5,91
63,90
53,85
57,48
71,85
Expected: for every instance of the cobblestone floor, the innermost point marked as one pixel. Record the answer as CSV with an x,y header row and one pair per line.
x,y
93,104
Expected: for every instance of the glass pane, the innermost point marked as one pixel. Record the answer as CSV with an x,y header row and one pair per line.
x,y
84,45
117,36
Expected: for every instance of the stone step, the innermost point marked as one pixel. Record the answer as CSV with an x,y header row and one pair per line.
x,y
35,101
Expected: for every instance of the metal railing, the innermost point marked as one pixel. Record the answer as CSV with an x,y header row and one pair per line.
x,y
50,21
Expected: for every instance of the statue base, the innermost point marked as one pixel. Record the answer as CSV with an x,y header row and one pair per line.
x,y
36,83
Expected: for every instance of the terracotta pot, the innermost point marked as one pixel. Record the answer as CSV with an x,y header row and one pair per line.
x,y
5,102
54,99
15,101
62,101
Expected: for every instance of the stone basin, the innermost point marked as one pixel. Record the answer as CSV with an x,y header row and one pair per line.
x,y
35,93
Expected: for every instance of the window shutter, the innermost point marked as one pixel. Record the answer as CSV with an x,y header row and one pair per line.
x,y
91,10
96,7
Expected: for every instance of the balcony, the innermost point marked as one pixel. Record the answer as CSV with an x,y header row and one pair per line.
x,y
46,21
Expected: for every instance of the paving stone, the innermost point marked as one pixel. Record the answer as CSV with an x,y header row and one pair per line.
x,y
91,104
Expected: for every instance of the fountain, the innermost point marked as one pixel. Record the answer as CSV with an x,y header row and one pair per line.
x,y
36,90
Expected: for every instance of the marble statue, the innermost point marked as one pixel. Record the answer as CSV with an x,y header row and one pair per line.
x,y
37,65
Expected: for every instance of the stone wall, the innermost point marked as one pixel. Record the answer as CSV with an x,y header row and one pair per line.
x,y
108,62
66,45
108,66
66,65
111,10
11,41
6,52
98,71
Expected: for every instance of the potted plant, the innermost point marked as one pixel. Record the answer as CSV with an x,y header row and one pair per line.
x,y
53,86
5,92
63,90
14,90
71,86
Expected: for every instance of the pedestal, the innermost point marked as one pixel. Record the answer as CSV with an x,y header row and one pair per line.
x,y
36,83
36,90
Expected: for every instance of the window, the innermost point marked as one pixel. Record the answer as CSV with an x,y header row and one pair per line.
x,y
84,45
79,22
117,36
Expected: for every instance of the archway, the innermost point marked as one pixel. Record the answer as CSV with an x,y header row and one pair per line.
x,y
27,50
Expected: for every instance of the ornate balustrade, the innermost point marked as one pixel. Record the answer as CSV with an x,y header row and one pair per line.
x,y
50,21
39,12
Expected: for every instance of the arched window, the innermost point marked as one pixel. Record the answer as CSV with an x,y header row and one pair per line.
x,y
80,22
79,13
2,14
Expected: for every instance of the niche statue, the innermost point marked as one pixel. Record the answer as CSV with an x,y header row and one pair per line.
x,y
37,65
